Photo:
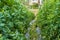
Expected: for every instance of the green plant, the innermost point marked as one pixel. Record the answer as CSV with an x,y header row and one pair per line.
x,y
14,20
35,5
48,19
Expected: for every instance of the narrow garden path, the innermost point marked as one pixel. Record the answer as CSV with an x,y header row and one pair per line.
x,y
34,31
35,11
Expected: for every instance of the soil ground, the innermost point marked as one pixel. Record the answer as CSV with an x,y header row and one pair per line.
x,y
35,11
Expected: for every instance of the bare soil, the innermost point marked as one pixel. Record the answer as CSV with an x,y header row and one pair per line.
x,y
35,11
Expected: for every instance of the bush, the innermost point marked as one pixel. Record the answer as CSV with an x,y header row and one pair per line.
x,y
35,5
48,19
14,20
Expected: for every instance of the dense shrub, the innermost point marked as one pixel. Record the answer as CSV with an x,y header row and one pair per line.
x,y
48,19
14,20
35,6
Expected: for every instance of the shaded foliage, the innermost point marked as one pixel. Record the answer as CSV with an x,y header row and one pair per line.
x,y
14,20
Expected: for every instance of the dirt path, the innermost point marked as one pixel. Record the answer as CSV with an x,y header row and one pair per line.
x,y
33,29
35,11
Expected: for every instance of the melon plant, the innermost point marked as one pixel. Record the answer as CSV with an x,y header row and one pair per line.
x,y
48,19
14,20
